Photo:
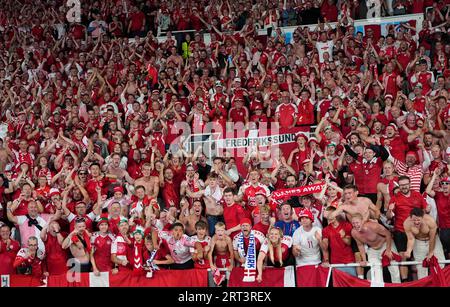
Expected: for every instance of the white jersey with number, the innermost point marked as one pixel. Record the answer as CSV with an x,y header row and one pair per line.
x,y
309,246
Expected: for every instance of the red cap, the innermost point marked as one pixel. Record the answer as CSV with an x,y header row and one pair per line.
x,y
301,135
393,125
245,221
306,213
313,139
413,153
54,192
257,107
118,189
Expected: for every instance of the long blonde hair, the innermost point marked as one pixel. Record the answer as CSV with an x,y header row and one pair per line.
x,y
278,246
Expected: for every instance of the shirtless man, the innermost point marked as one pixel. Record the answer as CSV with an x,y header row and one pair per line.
x,y
421,229
353,204
379,241
114,170
151,183
214,212
80,245
190,219
221,249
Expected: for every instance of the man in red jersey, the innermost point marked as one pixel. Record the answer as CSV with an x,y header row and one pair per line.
x,y
101,247
336,240
396,143
441,196
239,113
81,211
8,250
232,213
400,207
266,221
121,247
286,112
29,260
55,255
248,191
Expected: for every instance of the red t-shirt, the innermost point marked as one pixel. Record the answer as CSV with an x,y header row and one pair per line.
x,y
261,227
169,193
7,257
102,251
286,113
339,251
56,256
250,194
238,115
443,208
232,216
403,206
137,21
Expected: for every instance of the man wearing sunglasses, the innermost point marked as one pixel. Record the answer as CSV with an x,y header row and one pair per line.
x,y
441,195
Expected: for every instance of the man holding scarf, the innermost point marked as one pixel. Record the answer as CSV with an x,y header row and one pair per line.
x,y
246,246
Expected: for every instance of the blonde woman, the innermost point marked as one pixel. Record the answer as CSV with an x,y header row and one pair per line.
x,y
276,248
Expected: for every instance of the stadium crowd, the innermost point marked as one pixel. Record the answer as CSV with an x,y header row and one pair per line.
x,y
92,167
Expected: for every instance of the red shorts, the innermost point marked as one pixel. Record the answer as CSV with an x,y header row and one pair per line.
x,y
203,265
222,261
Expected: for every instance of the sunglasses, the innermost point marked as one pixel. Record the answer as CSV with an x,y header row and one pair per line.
x,y
80,220
445,183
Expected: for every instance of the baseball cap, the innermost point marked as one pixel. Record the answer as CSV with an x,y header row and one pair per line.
x,y
245,221
118,189
306,213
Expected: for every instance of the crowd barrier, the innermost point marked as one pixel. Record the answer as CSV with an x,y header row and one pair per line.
x,y
290,276
360,25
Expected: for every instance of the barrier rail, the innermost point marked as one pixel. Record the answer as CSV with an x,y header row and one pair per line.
x,y
357,23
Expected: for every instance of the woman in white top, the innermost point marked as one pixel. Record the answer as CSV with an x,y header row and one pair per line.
x,y
306,240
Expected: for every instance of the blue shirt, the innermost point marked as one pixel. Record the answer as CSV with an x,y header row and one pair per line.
x,y
288,227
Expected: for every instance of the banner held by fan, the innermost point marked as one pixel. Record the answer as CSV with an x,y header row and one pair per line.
x,y
278,196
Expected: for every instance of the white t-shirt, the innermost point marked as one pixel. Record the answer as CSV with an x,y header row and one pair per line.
x,y
309,246
323,47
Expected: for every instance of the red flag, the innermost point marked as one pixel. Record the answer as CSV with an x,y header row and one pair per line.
x,y
218,277
162,278
271,277
312,276
342,279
